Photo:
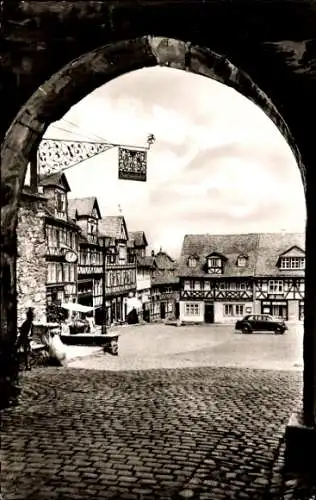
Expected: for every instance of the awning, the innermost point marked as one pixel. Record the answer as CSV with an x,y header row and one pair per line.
x,y
71,306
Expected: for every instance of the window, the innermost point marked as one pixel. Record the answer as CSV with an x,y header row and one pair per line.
x,y
207,285
192,262
72,268
60,202
51,272
187,284
214,265
122,254
66,272
214,262
293,263
192,309
59,273
228,310
275,286
233,309
92,227
197,285
239,309
241,261
93,257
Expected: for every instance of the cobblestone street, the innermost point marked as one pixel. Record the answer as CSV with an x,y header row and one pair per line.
x,y
202,432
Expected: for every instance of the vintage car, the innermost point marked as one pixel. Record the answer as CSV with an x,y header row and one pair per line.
x,y
259,323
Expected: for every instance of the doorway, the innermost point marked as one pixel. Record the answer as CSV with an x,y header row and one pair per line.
x,y
209,313
162,310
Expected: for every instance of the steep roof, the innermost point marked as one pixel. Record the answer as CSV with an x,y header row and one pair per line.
x,y
271,246
229,245
146,262
83,206
166,270
138,237
262,252
56,179
164,261
111,225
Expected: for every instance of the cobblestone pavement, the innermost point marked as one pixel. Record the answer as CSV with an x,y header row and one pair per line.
x,y
202,433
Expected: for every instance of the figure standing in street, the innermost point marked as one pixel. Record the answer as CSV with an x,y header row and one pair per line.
x,y
26,332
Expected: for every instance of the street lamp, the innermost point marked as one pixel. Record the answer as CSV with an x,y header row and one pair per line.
x,y
106,245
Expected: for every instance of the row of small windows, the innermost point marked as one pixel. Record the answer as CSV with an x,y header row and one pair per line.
x,y
271,286
193,309
293,263
216,263
206,285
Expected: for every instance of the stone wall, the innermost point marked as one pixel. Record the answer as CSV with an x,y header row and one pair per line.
x,y
31,263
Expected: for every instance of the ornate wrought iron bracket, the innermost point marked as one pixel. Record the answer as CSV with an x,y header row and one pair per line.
x,y
55,155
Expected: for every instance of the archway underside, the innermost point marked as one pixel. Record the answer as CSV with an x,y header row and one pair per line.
x,y
73,82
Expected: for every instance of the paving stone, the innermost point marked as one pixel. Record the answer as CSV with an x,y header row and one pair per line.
x,y
180,429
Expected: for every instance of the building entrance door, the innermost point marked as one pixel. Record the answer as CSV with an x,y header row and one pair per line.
x,y
177,311
209,313
162,310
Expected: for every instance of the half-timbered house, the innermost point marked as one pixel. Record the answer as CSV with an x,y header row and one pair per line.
x,y
120,268
280,272
86,213
164,287
216,277
62,243
144,266
224,277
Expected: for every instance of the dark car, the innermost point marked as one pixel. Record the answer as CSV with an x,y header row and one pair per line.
x,y
261,322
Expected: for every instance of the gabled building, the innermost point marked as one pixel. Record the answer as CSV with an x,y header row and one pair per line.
x,y
62,243
86,213
280,275
224,277
145,265
164,287
120,268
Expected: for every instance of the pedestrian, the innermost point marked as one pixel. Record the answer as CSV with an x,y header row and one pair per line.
x,y
26,332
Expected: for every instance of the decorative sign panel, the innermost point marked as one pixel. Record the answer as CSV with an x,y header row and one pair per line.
x,y
132,164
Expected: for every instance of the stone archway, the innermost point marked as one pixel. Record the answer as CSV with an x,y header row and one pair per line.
x,y
77,79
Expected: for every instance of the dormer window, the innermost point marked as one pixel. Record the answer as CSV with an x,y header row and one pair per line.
x,y
92,227
215,264
192,262
60,202
292,263
242,261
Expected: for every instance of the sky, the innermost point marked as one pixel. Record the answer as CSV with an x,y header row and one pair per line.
x,y
219,165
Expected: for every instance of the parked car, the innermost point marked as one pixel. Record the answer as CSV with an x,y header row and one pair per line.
x,y
261,322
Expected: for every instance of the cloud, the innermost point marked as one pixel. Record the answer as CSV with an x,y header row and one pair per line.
x,y
218,164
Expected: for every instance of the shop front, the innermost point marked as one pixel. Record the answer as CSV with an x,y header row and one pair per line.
x,y
276,308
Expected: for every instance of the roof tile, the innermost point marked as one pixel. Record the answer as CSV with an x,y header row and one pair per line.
x,y
262,249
